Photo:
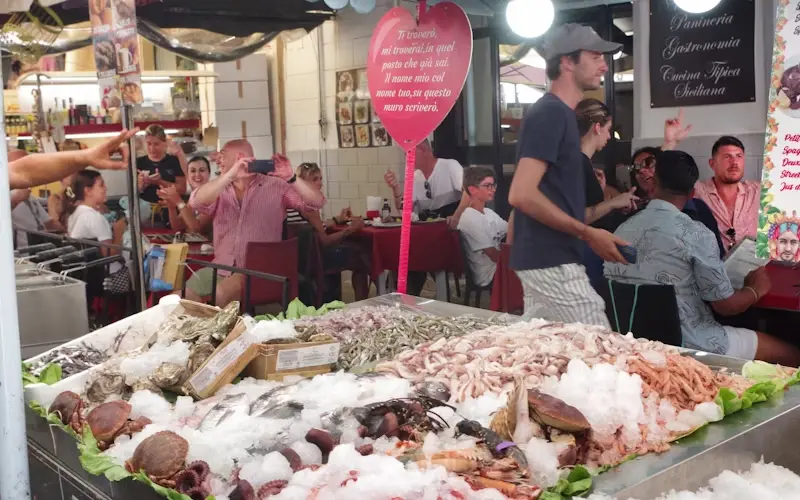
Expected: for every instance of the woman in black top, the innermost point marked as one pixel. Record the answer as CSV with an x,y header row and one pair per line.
x,y
594,125
164,165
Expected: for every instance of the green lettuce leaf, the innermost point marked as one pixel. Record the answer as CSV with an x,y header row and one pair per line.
x,y
577,483
728,401
580,481
96,463
50,374
27,376
297,310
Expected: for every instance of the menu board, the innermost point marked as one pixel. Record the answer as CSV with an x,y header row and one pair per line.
x,y
358,125
116,52
778,236
701,59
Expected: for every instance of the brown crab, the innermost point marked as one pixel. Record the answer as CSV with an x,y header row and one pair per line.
x,y
68,406
112,419
552,412
562,424
162,457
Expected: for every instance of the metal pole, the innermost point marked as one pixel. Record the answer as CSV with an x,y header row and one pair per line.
x,y
134,221
14,478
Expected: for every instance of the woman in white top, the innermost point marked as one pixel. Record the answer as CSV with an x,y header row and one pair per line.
x,y
82,202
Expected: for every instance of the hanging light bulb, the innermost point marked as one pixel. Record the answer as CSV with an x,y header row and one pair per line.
x,y
363,6
336,4
530,18
696,6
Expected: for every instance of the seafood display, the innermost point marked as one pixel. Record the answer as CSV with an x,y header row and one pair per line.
x,y
72,359
488,360
379,333
456,407
180,346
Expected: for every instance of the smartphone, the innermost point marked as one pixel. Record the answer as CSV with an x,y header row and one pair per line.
x,y
261,166
628,252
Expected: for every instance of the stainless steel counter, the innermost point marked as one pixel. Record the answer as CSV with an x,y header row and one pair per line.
x,y
52,309
766,430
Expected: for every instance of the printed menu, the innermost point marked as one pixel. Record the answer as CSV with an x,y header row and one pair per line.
x,y
116,52
356,122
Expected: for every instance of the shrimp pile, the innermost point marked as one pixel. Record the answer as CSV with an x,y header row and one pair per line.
x,y
488,360
683,381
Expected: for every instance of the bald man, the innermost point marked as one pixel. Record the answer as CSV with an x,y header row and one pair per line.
x,y
245,207
44,168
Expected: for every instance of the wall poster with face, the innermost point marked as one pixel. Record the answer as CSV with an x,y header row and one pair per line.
x,y
778,222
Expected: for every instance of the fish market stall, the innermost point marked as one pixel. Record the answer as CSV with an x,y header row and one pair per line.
x,y
436,397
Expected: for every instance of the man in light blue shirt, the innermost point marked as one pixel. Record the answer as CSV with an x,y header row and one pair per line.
x,y
673,249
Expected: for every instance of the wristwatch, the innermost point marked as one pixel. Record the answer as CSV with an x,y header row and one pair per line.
x,y
294,178
181,206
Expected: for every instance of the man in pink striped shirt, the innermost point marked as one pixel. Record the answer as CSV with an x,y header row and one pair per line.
x,y
245,207
734,202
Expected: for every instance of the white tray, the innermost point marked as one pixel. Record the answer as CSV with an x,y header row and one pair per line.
x,y
140,328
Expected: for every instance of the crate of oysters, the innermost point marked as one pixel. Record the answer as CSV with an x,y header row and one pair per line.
x,y
157,349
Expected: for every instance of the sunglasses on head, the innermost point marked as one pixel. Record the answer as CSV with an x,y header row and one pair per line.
x,y
308,166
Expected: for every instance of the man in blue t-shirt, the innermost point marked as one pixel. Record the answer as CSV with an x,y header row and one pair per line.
x,y
548,189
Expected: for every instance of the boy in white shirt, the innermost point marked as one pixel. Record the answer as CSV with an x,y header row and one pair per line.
x,y
481,228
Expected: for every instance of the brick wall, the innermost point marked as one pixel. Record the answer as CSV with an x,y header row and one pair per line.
x,y
350,175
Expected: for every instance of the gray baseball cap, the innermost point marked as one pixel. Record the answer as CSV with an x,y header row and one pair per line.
x,y
571,37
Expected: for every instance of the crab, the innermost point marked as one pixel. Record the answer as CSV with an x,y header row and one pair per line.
x,y
112,419
68,406
562,424
162,457
552,412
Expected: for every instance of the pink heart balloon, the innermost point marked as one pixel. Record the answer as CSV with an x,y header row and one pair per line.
x,y
416,70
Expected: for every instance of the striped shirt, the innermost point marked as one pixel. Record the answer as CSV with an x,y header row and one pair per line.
x,y
258,217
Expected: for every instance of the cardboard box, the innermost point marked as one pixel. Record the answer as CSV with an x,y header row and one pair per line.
x,y
240,354
224,365
306,359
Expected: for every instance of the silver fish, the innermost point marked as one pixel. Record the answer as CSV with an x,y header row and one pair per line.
x,y
276,397
234,403
279,411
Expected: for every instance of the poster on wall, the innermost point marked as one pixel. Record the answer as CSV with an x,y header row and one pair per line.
x,y
358,125
702,59
779,221
116,52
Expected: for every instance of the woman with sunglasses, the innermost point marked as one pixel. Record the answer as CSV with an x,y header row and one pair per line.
x,y
643,170
338,252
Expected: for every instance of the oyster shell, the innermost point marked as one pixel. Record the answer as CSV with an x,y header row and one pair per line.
x,y
104,384
169,375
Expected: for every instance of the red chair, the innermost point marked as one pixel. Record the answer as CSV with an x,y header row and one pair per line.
x,y
279,258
